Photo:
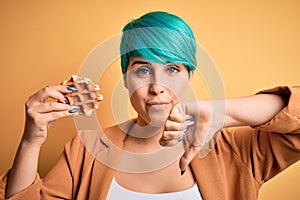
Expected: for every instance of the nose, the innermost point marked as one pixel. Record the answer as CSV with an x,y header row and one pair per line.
x,y
156,88
156,85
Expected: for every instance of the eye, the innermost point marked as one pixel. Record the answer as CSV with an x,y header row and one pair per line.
x,y
142,71
172,69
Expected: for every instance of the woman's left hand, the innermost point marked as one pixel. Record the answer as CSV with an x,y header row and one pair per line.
x,y
193,121
188,122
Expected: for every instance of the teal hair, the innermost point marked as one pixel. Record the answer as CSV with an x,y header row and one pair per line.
x,y
158,37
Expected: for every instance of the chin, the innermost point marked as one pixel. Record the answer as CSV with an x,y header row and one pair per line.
x,y
158,118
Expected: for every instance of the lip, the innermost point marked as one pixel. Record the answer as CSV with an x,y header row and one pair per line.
x,y
158,104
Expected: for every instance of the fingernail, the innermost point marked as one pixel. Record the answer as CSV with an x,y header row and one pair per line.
x,y
185,130
66,100
75,107
72,89
190,123
182,172
189,117
73,111
180,139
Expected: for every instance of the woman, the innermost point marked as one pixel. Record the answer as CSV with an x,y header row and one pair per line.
x,y
158,59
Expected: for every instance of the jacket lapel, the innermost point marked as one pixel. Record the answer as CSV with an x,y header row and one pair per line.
x,y
106,152
207,172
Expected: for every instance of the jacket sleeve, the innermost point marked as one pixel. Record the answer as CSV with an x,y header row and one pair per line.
x,y
57,184
32,192
288,119
271,147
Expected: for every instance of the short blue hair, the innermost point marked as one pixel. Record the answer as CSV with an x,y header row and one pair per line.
x,y
158,37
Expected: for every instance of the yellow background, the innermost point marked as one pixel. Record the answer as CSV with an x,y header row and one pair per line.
x,y
255,45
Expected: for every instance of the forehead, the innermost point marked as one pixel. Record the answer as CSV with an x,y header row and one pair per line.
x,y
137,58
141,60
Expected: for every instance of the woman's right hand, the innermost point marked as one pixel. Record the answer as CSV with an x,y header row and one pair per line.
x,y
41,113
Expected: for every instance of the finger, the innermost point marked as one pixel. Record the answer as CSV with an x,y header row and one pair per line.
x,y
179,117
52,106
177,126
51,116
171,135
55,92
178,114
58,115
168,143
188,156
173,126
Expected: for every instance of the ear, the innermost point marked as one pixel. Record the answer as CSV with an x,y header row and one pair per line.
x,y
191,77
125,81
124,78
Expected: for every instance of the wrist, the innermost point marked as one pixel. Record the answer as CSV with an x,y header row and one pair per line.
x,y
197,108
201,110
25,143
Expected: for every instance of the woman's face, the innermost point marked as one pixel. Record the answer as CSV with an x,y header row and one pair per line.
x,y
155,88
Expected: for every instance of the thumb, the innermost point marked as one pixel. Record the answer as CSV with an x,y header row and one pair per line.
x,y
188,156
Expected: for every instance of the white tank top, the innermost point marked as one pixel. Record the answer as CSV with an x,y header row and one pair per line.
x,y
117,192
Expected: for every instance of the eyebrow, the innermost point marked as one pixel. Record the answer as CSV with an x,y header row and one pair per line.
x,y
140,62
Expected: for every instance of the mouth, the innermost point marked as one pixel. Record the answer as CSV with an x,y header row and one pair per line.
x,y
158,105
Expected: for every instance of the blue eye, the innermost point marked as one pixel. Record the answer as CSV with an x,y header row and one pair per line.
x,y
173,70
142,71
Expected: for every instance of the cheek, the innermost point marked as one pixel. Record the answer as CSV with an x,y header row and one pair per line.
x,y
179,89
137,97
136,86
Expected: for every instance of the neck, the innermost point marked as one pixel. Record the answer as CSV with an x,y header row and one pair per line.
x,y
145,136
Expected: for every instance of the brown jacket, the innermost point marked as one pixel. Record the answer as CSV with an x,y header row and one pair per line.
x,y
241,161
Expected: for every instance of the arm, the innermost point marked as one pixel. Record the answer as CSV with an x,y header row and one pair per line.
x,y
246,111
39,115
24,169
253,110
